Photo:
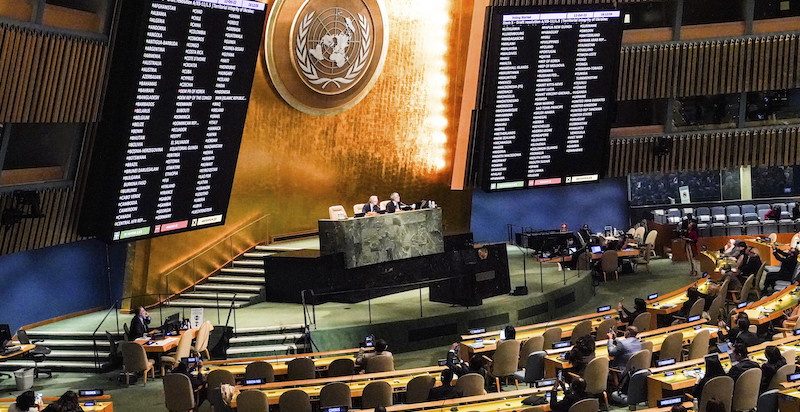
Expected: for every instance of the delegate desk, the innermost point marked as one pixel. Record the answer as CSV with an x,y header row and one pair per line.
x,y
490,402
555,360
672,302
383,238
279,368
770,307
682,376
285,358
101,403
397,379
487,341
166,344
15,351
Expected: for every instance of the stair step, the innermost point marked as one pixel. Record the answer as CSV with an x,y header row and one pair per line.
x,y
36,334
192,303
257,255
221,296
102,354
267,338
265,348
276,328
243,271
275,248
82,344
228,288
61,365
248,262
237,279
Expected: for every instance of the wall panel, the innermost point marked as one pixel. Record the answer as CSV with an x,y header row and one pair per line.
x,y
685,69
774,146
46,76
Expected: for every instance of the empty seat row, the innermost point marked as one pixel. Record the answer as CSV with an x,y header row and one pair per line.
x,y
733,220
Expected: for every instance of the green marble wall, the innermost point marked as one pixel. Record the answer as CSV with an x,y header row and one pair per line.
x,y
384,238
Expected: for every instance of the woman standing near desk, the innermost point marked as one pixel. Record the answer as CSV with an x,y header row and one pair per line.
x,y
691,246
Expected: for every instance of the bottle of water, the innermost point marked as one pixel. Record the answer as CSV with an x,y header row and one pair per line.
x,y
695,405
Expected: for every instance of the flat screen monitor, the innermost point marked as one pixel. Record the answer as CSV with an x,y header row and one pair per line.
x,y
168,140
547,95
5,333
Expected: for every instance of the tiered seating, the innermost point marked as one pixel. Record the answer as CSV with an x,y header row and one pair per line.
x,y
733,220
406,389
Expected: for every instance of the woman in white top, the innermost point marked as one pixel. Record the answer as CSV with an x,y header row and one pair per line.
x,y
26,402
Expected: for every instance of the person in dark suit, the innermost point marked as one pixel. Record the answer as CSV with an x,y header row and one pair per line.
x,y
575,394
626,316
372,206
740,362
395,204
713,369
581,354
446,391
198,380
740,334
139,323
750,263
774,362
785,271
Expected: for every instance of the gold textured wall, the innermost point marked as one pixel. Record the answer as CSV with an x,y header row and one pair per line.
x,y
399,138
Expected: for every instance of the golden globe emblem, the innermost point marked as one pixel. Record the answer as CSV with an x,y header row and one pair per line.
x,y
323,56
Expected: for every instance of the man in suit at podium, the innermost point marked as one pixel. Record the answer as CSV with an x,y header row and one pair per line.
x,y
372,206
395,204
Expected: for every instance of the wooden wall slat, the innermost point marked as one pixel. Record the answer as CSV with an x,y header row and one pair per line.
x,y
708,67
771,146
49,77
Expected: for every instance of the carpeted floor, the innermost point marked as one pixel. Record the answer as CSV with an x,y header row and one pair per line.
x,y
665,276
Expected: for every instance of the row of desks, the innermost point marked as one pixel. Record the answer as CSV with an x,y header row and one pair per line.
x,y
771,307
662,305
555,358
280,363
683,375
100,403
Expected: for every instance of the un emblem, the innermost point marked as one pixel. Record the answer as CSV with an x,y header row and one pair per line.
x,y
336,50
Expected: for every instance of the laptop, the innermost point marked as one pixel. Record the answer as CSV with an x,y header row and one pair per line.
x,y
597,249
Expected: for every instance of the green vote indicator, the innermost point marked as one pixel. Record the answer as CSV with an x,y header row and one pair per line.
x,y
127,234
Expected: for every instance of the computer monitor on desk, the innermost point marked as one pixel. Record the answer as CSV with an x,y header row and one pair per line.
x,y
5,335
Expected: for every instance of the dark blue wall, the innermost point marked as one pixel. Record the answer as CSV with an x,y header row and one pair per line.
x,y
595,204
46,283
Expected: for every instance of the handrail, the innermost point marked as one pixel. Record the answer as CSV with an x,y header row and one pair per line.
x,y
311,319
117,307
108,312
169,294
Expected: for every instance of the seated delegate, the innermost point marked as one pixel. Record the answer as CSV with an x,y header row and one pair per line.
x,y
395,204
372,205
380,350
68,402
139,323
25,402
623,349
446,390
785,271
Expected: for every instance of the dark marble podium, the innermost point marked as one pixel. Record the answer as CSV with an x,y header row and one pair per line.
x,y
377,239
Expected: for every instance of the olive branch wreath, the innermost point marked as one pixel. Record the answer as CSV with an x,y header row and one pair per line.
x,y
310,71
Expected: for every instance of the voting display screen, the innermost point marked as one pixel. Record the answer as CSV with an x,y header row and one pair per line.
x,y
178,90
547,96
